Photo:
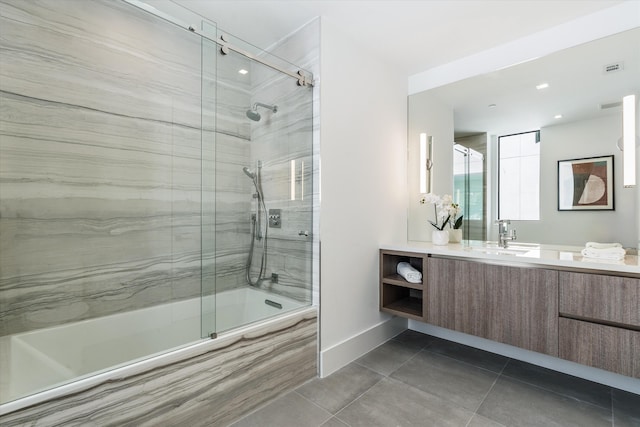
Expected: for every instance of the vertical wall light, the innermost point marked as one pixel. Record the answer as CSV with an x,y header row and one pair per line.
x,y
301,179
292,179
426,155
629,140
423,163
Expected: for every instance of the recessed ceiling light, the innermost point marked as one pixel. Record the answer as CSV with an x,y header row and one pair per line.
x,y
557,116
243,71
542,86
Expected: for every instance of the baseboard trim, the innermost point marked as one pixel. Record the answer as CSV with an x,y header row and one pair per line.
x,y
345,352
571,368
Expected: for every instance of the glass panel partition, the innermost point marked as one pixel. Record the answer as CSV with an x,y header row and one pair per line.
x,y
468,190
143,204
100,190
263,242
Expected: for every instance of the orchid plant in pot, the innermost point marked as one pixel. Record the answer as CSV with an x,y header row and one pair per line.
x,y
455,222
445,213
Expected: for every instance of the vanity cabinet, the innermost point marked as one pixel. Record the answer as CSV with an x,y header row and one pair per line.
x,y
600,321
577,315
456,295
522,307
397,296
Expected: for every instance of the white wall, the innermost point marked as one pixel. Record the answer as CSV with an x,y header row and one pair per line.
x,y
363,185
587,138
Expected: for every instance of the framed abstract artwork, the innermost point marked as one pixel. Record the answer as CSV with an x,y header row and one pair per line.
x,y
585,184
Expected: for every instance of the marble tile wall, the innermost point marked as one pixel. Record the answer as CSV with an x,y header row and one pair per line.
x,y
116,131
211,386
100,158
277,140
102,140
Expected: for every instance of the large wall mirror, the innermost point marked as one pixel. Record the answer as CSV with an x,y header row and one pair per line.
x,y
578,113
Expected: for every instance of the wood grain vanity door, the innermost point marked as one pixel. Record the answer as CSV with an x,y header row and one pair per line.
x,y
522,307
456,295
601,298
601,346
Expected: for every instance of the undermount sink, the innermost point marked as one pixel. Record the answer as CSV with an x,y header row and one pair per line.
x,y
512,249
500,251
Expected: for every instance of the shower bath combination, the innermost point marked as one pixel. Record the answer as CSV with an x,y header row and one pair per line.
x,y
258,222
253,114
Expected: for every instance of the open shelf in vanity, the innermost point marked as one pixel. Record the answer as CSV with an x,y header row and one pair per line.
x,y
398,296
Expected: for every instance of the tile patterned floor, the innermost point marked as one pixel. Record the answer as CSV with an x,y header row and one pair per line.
x,y
420,380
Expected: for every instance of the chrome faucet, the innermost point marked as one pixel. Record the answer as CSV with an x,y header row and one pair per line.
x,y
504,234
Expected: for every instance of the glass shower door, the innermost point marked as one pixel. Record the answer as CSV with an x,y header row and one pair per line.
x,y
257,218
208,180
468,190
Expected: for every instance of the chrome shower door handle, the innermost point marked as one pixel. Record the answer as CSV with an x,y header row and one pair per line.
x,y
304,233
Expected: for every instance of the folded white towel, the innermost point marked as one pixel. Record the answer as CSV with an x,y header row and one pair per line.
x,y
611,253
596,245
408,272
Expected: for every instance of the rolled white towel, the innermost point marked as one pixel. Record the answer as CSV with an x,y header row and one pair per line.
x,y
596,245
612,253
408,272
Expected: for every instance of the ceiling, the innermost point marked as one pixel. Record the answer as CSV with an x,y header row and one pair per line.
x,y
409,34
579,88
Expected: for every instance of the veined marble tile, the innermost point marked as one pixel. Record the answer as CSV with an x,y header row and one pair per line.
x,y
211,386
102,147
100,158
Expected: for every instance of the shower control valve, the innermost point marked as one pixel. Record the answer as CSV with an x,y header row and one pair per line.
x,y
274,218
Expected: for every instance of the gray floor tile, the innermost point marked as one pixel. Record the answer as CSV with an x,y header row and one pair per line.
x,y
334,422
340,388
474,356
388,357
514,403
393,403
480,421
578,388
290,410
463,384
416,339
626,409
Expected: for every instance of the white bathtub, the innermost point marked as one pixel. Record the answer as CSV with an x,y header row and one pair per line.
x,y
46,358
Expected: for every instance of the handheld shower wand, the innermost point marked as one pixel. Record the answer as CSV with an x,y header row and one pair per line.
x,y
256,225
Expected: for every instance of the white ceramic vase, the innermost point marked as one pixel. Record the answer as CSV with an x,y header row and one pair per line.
x,y
455,235
440,237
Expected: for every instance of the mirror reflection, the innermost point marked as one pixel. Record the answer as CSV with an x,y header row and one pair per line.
x,y
571,101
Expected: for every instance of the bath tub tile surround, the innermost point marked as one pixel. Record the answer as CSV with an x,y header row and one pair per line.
x,y
118,226
36,361
210,384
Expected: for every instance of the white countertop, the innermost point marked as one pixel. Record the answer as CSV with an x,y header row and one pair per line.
x,y
525,253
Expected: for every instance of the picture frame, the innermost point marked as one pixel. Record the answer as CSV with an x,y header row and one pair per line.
x,y
586,184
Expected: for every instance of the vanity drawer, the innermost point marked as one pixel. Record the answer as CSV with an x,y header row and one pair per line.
x,y
601,346
600,298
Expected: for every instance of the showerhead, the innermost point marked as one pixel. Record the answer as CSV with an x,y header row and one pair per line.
x,y
253,112
248,172
253,115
